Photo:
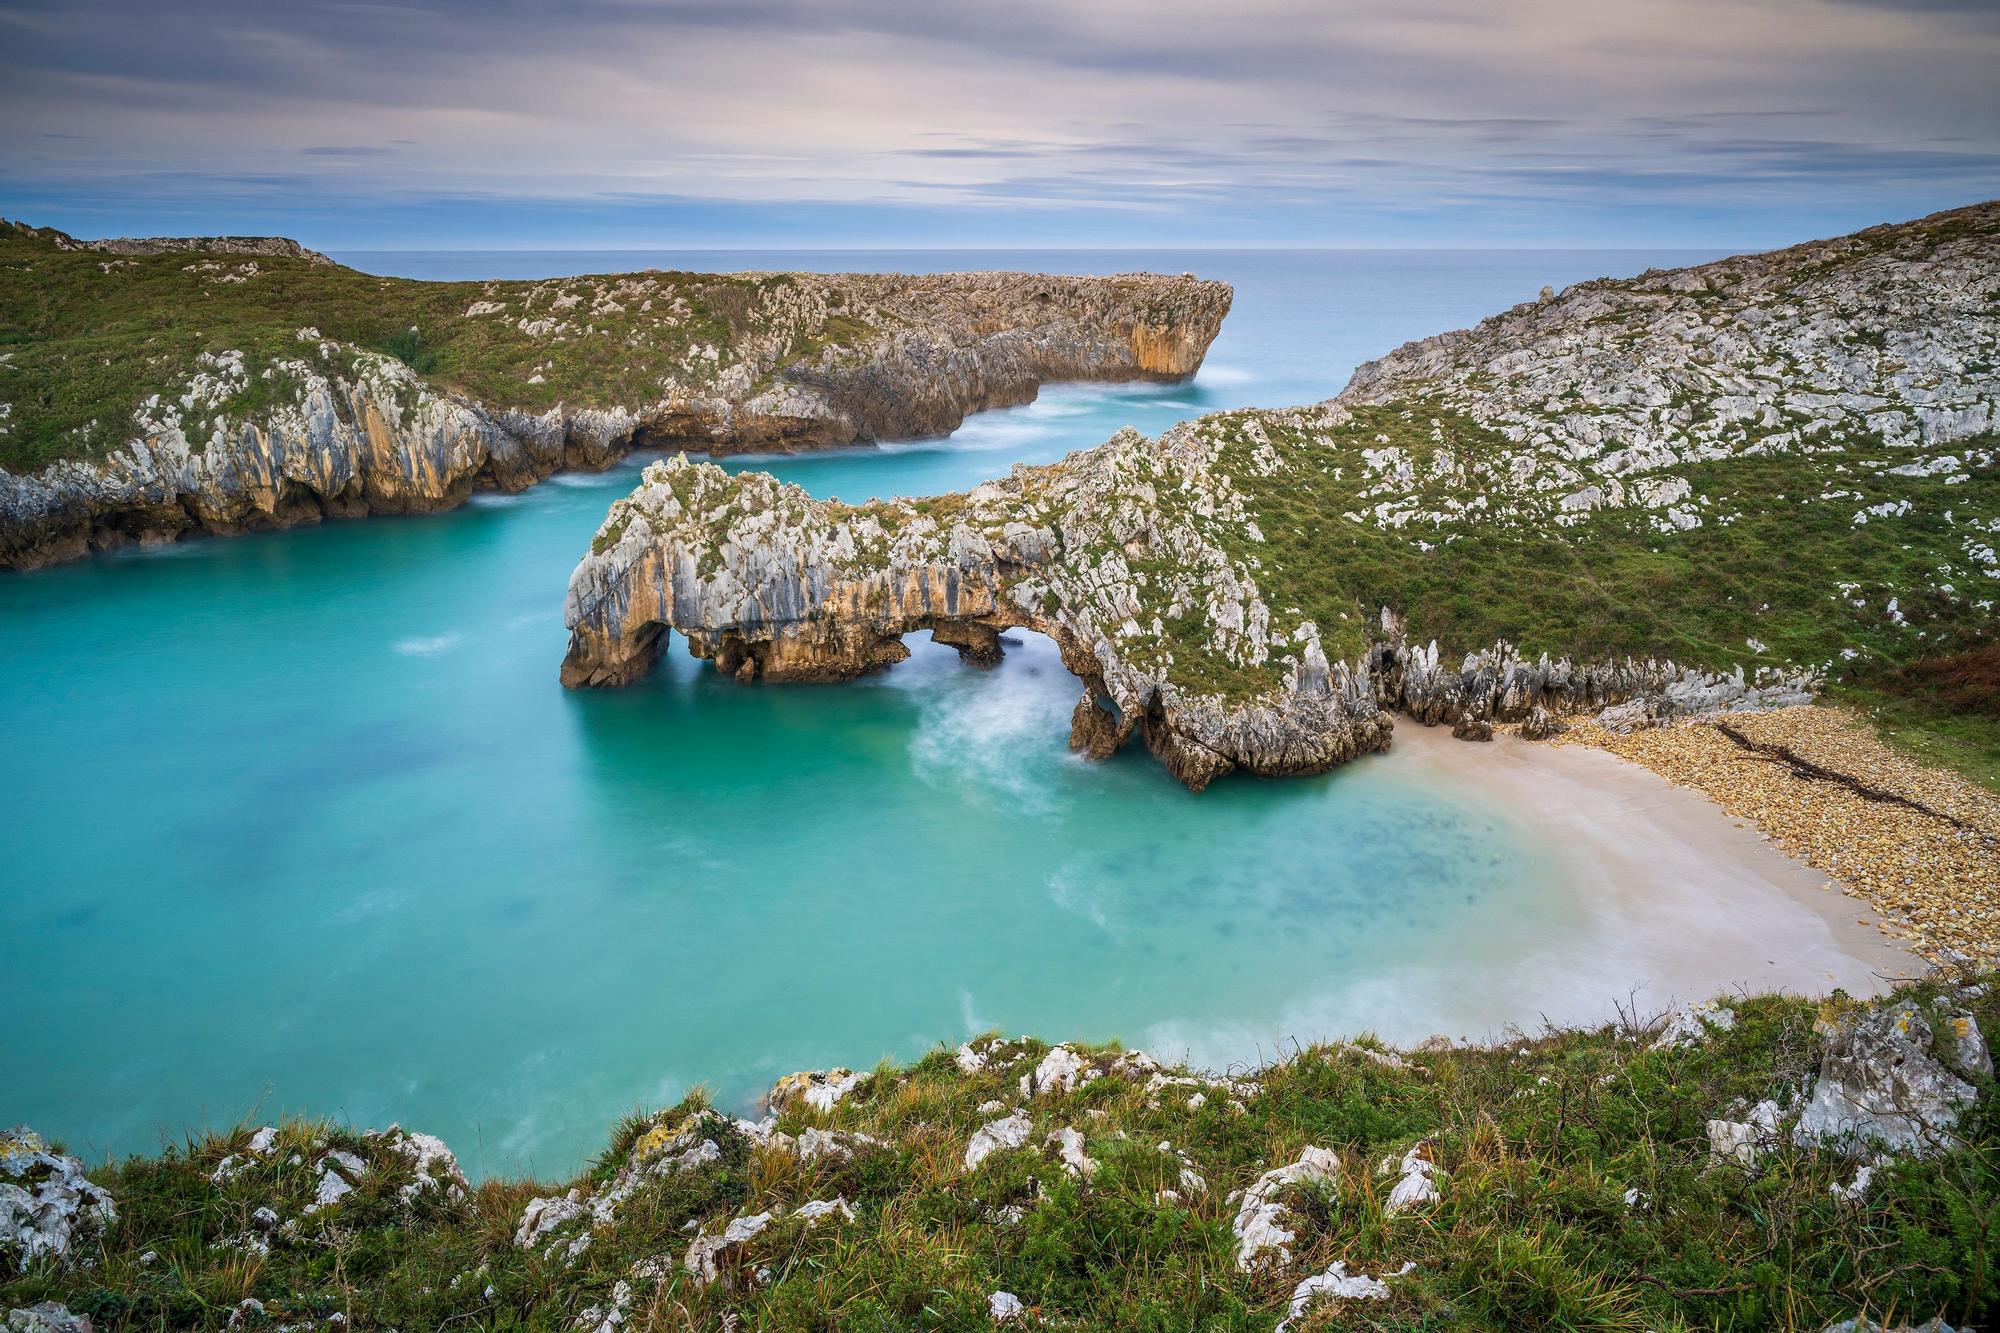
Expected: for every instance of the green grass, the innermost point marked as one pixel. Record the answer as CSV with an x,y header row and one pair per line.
x,y
1770,562
94,335
1541,1137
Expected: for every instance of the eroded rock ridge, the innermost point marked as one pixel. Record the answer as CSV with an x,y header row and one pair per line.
x,y
308,423
1259,589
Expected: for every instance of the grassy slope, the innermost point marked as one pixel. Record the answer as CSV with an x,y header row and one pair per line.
x,y
92,335
1541,1139
1614,584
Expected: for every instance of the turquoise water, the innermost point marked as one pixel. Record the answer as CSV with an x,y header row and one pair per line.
x,y
304,822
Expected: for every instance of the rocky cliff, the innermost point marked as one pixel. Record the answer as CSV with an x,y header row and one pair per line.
x,y
1676,494
146,397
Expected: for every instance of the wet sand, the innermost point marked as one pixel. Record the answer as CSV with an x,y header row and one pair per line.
x,y
1663,898
1674,893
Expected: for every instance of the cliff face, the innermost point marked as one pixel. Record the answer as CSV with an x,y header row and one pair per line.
x,y
772,584
1256,589
270,246
499,384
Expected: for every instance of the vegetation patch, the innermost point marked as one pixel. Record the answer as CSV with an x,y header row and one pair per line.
x,y
1577,1185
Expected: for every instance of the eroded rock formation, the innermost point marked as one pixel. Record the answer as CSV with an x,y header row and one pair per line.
x,y
1221,590
773,584
241,441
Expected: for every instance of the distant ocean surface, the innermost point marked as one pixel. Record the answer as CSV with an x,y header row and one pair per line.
x,y
304,823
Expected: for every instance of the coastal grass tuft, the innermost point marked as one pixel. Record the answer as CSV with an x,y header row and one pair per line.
x,y
1579,1193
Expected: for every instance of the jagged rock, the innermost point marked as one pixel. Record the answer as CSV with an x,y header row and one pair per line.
x,y
1004,1307
820,1089
1417,1178
713,1256
1259,1224
1470,728
1690,1024
1540,725
1336,1284
48,1207
48,1317
1741,1142
358,432
819,1210
669,1147
992,1137
435,1165
1069,1145
339,1173
1881,1087
1497,684
1060,1070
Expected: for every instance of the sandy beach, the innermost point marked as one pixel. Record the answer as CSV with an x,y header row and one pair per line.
x,y
1678,897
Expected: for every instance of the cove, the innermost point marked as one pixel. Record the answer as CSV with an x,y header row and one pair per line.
x,y
304,823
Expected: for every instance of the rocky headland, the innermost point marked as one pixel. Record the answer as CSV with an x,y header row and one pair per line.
x,y
1638,500
1755,1162
152,389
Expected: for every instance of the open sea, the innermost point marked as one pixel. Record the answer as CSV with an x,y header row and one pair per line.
x,y
304,823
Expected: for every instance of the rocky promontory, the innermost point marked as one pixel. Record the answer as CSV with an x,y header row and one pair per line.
x,y
1640,500
153,389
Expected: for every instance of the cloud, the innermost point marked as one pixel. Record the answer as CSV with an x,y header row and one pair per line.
x,y
1264,120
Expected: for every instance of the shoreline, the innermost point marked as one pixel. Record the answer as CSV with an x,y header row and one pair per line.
x,y
1922,853
1680,899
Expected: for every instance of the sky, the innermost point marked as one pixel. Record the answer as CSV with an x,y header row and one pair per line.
x,y
456,124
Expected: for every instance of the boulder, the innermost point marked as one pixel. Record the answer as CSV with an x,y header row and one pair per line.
x,y
48,1208
1882,1085
48,1317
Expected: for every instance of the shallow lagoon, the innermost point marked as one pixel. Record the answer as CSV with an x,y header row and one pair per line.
x,y
304,823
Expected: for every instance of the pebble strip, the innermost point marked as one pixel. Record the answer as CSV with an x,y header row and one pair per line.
x,y
1931,885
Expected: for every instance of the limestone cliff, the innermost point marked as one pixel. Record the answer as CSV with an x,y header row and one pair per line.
x,y
1673,504
326,392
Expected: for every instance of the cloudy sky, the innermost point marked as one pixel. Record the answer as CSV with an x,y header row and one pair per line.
x,y
603,123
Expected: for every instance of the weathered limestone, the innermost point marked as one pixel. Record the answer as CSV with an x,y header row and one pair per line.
x,y
772,584
48,1208
1148,562
1880,1086
1608,390
1498,685
931,350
